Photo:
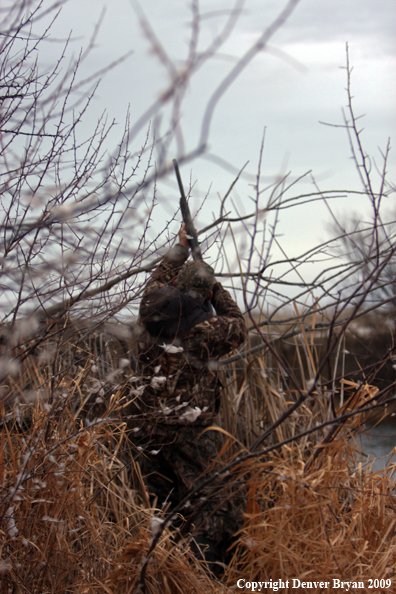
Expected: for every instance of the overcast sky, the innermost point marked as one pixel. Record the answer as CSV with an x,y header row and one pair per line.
x,y
288,96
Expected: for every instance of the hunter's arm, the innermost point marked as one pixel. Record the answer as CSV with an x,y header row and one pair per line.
x,y
170,264
168,268
222,333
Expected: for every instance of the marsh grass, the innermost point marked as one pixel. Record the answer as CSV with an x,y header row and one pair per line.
x,y
75,515
336,520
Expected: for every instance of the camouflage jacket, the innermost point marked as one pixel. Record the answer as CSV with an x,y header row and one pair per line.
x,y
180,376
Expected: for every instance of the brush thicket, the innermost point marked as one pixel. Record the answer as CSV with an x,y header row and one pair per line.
x,y
75,515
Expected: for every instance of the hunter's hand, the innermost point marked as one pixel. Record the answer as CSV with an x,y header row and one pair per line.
x,y
183,237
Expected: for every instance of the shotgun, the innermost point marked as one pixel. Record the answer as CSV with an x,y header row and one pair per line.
x,y
192,236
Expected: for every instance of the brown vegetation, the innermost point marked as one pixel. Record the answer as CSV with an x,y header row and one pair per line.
x,y
76,518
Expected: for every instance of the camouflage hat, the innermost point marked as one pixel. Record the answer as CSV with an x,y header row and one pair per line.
x,y
196,279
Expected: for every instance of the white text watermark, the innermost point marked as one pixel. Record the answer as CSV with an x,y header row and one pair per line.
x,y
294,583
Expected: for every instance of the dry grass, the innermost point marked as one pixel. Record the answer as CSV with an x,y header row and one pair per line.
x,y
172,570
74,512
71,521
75,516
336,520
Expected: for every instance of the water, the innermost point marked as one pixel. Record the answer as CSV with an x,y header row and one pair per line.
x,y
378,443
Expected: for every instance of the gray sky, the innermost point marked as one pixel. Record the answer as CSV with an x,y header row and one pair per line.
x,y
287,96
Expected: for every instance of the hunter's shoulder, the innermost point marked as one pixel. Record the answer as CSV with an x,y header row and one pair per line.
x,y
176,256
216,336
167,269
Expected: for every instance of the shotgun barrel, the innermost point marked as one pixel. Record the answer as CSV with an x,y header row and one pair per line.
x,y
187,219
190,229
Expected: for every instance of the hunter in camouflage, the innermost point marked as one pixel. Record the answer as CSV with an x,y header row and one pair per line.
x,y
179,348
